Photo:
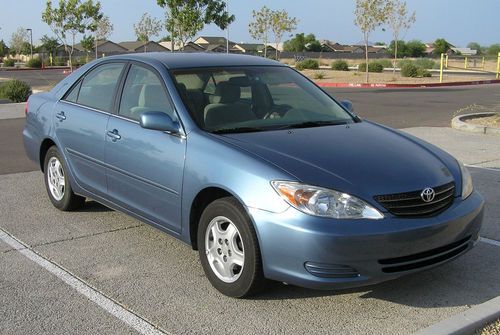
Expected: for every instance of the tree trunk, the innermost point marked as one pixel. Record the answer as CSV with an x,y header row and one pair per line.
x,y
96,54
395,57
366,57
265,47
277,43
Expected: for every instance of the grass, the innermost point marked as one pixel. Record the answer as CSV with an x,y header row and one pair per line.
x,y
490,121
491,329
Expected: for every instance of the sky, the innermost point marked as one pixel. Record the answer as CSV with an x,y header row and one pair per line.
x,y
458,21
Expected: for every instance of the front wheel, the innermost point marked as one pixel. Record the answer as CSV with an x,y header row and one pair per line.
x,y
228,248
57,182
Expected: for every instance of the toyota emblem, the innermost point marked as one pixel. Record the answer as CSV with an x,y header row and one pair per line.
x,y
428,194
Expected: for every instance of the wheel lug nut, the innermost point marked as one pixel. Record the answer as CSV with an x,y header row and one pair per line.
x,y
229,253
219,251
220,241
224,258
227,242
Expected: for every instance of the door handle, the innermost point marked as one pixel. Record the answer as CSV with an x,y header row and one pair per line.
x,y
115,136
61,116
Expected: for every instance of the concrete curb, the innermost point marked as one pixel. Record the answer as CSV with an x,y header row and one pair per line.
x,y
467,322
458,83
12,111
459,123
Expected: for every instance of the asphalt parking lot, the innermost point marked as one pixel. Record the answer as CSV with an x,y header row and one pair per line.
x,y
158,280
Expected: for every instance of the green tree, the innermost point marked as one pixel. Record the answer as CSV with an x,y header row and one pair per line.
x,y
302,42
370,14
4,50
146,28
18,40
261,25
441,46
415,48
88,44
281,23
402,50
475,46
185,18
494,49
400,20
70,18
49,45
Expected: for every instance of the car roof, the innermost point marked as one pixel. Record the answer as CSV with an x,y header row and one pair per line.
x,y
179,60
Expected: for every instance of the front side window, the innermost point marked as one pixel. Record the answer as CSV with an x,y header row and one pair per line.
x,y
254,98
144,92
99,85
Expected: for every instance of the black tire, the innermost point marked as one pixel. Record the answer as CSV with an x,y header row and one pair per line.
x,y
251,279
70,201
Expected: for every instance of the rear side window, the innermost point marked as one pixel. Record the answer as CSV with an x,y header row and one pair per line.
x,y
72,96
98,87
143,92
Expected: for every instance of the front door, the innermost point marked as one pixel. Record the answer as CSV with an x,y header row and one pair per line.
x,y
80,124
145,167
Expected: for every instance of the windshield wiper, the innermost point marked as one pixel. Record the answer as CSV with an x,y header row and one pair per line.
x,y
237,130
311,124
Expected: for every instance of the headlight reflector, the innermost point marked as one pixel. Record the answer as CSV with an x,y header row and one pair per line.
x,y
324,202
467,186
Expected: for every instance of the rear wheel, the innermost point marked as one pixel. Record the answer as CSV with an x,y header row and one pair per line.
x,y
57,182
228,248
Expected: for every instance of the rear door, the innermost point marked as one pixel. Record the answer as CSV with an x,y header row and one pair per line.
x,y
145,167
80,124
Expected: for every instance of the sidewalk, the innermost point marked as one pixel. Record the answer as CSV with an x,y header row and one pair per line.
x,y
12,111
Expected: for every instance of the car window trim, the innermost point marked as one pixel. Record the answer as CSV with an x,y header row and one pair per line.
x,y
82,78
121,86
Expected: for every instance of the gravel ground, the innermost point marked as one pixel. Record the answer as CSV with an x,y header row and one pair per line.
x,y
491,329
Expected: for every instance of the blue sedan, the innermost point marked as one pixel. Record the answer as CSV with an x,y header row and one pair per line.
x,y
254,166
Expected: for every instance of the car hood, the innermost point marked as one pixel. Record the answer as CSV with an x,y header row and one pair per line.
x,y
363,159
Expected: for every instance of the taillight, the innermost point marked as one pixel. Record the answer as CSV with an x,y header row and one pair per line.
x,y
26,107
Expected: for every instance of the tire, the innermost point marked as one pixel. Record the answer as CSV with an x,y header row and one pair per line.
x,y
239,281
63,198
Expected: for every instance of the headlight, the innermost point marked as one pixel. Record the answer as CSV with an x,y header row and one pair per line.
x,y
323,202
467,186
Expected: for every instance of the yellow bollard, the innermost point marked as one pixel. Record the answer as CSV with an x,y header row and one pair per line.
x,y
483,63
498,65
441,67
465,65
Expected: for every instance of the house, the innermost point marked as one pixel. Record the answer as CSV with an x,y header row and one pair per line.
x,y
329,46
464,51
252,48
213,40
189,47
103,47
140,46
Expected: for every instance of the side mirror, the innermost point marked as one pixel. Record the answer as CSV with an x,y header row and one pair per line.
x,y
159,121
347,105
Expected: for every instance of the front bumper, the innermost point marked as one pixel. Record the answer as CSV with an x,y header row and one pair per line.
x,y
351,253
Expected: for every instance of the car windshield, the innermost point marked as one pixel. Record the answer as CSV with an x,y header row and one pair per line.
x,y
256,98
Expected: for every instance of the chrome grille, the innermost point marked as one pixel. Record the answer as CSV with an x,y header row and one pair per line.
x,y
411,203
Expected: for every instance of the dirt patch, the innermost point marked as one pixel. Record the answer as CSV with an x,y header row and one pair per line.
x,y
490,121
491,329
355,77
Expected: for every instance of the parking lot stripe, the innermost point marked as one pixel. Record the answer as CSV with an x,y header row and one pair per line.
x,y
482,167
133,320
490,241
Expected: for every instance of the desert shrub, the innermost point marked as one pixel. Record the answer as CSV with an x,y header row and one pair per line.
x,y
34,63
385,63
310,64
423,73
401,63
319,75
8,62
426,63
409,70
59,61
15,90
340,65
372,67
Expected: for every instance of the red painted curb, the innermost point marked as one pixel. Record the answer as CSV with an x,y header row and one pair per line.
x,y
9,69
458,83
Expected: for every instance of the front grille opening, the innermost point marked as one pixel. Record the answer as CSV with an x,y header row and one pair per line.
x,y
410,204
330,270
426,258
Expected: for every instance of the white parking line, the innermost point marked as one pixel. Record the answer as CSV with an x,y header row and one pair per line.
x,y
110,306
490,241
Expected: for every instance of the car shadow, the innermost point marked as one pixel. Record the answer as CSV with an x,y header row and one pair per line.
x,y
92,206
